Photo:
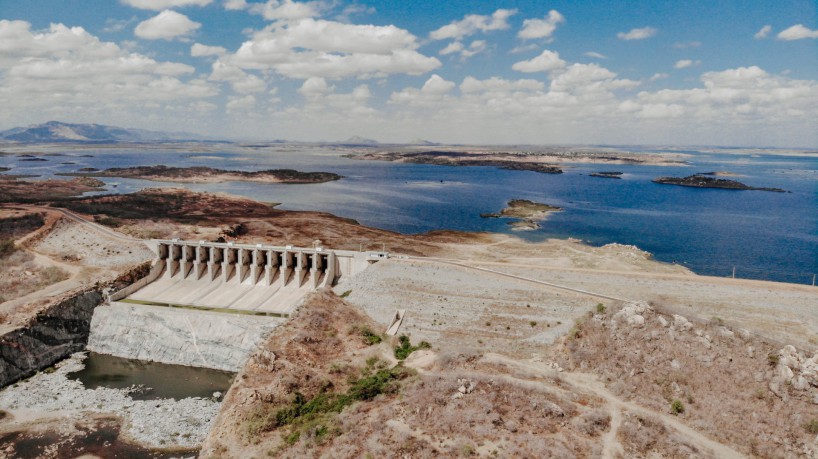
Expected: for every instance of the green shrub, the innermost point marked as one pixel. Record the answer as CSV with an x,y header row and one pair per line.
x,y
676,407
405,348
772,359
346,294
533,323
600,308
812,426
370,337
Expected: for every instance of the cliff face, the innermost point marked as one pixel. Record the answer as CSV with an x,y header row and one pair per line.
x,y
50,336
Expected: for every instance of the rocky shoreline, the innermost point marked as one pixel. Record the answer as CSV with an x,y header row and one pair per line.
x,y
163,423
526,214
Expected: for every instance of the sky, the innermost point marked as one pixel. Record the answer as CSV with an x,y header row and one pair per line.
x,y
615,72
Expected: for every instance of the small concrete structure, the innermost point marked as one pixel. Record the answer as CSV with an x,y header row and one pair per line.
x,y
268,280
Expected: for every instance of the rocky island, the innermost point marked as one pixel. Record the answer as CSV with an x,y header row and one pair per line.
x,y
526,213
708,181
613,175
163,173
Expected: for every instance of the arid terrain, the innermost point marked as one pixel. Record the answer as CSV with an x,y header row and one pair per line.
x,y
210,175
544,349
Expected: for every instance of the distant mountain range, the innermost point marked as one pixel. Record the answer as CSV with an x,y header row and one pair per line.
x,y
56,131
358,140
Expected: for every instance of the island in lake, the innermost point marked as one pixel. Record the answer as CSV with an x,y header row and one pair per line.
x,y
546,160
613,175
526,213
708,181
207,175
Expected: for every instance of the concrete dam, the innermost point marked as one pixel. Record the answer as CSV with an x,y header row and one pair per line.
x,y
209,304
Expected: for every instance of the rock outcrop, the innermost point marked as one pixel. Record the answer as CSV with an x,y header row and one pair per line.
x,y
53,334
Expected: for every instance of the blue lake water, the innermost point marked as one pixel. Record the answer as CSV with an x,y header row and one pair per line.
x,y
764,235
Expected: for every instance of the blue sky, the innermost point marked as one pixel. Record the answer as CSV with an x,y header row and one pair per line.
x,y
623,72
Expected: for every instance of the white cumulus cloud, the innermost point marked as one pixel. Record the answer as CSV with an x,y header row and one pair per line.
x,y
319,48
547,61
159,5
763,32
541,28
474,23
235,5
637,34
166,25
685,63
200,50
797,32
65,72
288,10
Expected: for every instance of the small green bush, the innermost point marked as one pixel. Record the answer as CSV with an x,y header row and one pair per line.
x,y
676,407
533,323
812,426
370,337
346,294
772,359
600,308
405,348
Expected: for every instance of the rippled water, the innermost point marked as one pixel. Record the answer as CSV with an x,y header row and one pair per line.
x,y
764,235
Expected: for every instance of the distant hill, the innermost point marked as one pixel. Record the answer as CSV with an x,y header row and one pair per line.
x,y
358,140
56,131
422,142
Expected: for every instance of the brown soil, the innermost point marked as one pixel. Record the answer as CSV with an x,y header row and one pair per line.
x,y
45,190
720,376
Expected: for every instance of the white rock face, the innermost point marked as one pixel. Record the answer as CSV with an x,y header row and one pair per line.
x,y
632,314
178,336
681,323
796,369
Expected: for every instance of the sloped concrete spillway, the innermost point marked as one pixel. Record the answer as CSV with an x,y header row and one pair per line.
x,y
209,304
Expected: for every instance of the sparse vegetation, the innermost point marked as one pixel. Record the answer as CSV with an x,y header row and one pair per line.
x,y
772,359
370,337
600,308
533,323
677,407
346,293
812,426
313,418
405,348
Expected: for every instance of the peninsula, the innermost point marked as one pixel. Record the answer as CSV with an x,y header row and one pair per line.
x,y
547,160
163,173
707,181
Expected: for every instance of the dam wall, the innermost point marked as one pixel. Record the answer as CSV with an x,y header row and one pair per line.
x,y
178,336
207,304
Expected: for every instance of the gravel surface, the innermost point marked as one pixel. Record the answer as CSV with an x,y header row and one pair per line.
x,y
72,241
451,304
153,423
